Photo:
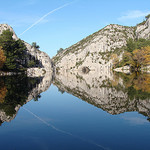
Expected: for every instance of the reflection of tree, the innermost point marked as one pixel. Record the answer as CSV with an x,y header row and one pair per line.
x,y
142,82
18,88
36,98
61,91
137,85
3,91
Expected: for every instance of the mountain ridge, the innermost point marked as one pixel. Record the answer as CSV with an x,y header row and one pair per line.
x,y
94,50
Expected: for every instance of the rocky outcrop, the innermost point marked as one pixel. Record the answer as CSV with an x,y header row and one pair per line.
x,y
42,57
95,50
44,62
143,30
6,27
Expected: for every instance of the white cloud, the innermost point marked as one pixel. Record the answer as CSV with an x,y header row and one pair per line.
x,y
134,14
135,120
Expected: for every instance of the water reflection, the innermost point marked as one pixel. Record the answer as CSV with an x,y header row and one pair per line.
x,y
15,91
113,92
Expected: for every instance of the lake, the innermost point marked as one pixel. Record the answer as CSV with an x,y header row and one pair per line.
x,y
75,111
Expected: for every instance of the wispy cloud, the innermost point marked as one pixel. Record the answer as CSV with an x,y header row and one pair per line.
x,y
43,17
65,132
133,14
19,20
135,120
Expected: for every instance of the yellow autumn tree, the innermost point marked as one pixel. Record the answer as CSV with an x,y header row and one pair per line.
x,y
146,55
2,58
141,56
115,59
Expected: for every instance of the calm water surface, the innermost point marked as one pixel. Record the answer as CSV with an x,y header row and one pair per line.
x,y
75,112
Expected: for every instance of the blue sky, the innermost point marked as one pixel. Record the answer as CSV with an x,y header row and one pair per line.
x,y
71,23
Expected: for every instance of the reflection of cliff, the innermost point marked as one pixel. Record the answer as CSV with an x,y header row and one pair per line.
x,y
41,87
20,90
105,91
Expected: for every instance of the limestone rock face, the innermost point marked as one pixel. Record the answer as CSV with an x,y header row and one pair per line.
x,y
6,27
45,61
95,50
44,64
143,31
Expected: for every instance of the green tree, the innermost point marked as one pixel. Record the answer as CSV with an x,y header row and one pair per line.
x,y
148,16
131,45
34,45
15,51
127,59
60,50
136,44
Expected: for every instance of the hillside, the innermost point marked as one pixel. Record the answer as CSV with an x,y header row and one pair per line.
x,y
95,50
19,55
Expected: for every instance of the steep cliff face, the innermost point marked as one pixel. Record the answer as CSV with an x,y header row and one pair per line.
x,y
44,62
95,50
143,30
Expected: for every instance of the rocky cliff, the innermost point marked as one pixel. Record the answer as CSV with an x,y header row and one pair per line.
x,y
95,50
44,62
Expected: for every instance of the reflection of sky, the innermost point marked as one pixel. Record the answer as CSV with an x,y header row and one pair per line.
x,y
91,127
135,120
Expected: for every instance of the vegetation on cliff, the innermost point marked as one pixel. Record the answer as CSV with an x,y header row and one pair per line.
x,y
12,52
114,45
136,54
